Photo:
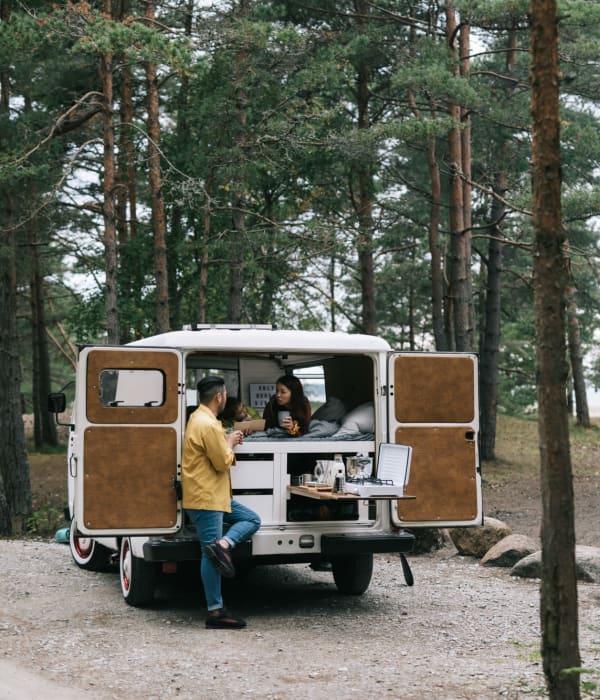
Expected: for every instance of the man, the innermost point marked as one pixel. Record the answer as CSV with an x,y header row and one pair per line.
x,y
207,458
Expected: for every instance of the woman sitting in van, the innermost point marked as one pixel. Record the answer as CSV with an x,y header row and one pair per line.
x,y
236,411
288,408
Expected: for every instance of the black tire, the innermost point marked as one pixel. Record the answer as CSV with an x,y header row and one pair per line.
x,y
352,575
87,553
138,577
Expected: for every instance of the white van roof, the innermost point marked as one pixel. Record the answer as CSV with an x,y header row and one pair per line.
x,y
252,339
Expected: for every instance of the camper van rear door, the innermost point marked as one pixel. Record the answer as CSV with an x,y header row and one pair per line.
x,y
131,428
433,408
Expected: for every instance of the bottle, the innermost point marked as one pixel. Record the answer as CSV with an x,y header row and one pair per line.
x,y
339,474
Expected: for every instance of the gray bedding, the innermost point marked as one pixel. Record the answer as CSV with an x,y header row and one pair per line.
x,y
317,430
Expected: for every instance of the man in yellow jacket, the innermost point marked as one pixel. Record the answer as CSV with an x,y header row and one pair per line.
x,y
207,457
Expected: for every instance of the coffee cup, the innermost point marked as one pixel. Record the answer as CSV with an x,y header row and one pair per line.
x,y
281,416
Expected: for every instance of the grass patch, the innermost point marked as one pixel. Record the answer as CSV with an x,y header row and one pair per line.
x,y
45,521
518,455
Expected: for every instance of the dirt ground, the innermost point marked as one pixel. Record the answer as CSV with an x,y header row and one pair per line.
x,y
462,632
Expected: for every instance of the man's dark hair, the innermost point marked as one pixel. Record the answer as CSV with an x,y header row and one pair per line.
x,y
209,387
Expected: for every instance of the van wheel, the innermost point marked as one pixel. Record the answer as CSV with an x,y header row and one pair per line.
x,y
138,577
352,575
86,552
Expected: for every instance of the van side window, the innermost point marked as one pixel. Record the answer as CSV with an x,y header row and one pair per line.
x,y
132,387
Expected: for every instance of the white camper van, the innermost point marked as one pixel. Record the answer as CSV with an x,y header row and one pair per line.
x,y
129,417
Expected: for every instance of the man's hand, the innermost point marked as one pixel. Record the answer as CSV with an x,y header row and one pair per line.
x,y
235,438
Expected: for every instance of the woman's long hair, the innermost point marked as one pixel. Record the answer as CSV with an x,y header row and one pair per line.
x,y
297,399
299,405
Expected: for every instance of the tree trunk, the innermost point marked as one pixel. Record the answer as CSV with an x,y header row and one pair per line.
x,y
458,296
440,335
203,266
159,226
4,74
175,234
490,345
108,205
437,276
558,605
15,488
131,275
365,191
575,354
44,426
269,286
465,72
238,198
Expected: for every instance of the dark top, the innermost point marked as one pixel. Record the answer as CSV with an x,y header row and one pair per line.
x,y
301,418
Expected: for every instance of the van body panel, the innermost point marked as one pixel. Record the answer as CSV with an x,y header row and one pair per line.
x,y
433,407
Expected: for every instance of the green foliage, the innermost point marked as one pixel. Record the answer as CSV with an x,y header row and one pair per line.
x,y
260,112
45,521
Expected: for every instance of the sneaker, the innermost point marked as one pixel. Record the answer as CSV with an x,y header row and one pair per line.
x,y
225,620
221,558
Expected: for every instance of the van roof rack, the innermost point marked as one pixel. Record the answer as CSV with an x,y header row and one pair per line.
x,y
230,326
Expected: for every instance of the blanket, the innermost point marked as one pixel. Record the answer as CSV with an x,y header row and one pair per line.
x,y
317,430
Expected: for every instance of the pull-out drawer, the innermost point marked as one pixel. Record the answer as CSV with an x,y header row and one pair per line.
x,y
252,474
262,504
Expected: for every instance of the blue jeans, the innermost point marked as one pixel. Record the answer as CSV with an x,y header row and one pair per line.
x,y
243,523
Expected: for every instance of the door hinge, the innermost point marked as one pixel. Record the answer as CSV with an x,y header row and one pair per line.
x,y
177,487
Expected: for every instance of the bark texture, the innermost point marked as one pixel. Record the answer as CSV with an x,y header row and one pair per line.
x,y
576,357
490,341
558,603
159,226
364,201
108,204
44,426
15,489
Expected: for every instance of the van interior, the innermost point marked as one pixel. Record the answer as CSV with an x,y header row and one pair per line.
x,y
346,379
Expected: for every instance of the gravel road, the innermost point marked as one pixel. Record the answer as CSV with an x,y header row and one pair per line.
x,y
462,631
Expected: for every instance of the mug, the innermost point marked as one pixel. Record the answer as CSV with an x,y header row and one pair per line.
x,y
281,416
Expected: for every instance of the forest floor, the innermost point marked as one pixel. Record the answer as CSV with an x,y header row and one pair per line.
x,y
462,632
511,488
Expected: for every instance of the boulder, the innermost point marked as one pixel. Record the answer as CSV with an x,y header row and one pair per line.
x,y
476,541
509,551
587,565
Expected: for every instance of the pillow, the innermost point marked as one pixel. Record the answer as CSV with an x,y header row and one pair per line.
x,y
332,410
360,420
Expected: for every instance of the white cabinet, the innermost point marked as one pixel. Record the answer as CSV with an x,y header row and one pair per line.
x,y
264,469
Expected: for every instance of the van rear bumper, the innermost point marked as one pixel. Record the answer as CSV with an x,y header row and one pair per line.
x,y
349,544
336,545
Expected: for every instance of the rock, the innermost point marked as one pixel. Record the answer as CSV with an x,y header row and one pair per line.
x,y
509,551
427,539
587,565
476,541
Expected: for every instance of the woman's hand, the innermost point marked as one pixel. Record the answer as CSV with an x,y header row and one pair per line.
x,y
288,423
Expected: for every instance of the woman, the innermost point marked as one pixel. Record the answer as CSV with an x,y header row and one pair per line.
x,y
236,411
289,397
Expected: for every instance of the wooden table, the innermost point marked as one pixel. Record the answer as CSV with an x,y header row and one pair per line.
x,y
328,495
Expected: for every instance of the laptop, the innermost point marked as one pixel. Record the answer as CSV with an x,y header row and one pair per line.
x,y
393,469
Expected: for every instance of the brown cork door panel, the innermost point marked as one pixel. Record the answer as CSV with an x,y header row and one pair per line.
x,y
442,474
166,362
128,477
434,389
